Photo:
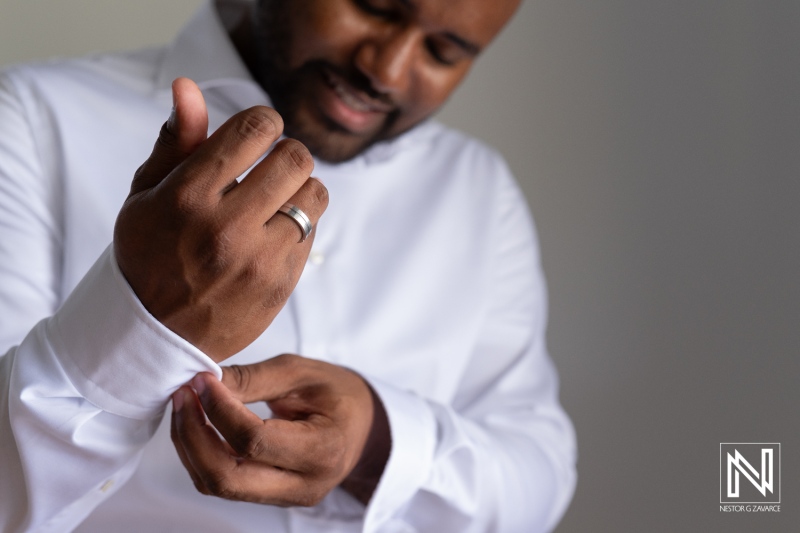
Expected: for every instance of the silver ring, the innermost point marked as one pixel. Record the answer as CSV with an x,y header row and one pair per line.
x,y
296,214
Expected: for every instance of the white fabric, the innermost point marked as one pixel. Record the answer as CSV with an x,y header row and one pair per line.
x,y
424,277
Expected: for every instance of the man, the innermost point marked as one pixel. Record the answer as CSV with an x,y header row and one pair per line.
x,y
420,396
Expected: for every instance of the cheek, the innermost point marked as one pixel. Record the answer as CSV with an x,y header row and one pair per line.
x,y
430,89
328,29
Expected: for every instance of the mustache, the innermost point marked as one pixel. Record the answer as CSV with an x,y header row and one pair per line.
x,y
356,79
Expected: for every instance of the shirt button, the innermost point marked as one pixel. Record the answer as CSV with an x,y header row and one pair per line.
x,y
316,258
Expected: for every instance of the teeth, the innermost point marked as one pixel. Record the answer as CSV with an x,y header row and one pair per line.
x,y
350,100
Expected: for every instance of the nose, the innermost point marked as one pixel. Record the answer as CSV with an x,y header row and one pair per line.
x,y
388,60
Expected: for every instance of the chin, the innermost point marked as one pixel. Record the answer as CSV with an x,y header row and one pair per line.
x,y
330,147
327,141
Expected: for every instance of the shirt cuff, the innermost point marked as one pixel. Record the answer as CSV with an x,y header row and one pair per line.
x,y
117,355
413,430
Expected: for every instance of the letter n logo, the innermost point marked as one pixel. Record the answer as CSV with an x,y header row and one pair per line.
x,y
758,464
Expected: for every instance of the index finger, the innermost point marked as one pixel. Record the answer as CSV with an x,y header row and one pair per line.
x,y
229,151
215,471
307,446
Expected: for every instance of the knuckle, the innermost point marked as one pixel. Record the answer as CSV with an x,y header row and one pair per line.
x,y
252,444
318,495
261,124
250,273
219,484
166,137
278,294
184,199
273,116
286,359
310,497
319,192
201,488
141,173
214,252
296,155
240,377
193,193
330,457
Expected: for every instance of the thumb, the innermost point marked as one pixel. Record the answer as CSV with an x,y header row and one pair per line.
x,y
243,383
263,381
230,416
181,134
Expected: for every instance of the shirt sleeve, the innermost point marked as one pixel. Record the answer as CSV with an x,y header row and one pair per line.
x,y
501,457
83,383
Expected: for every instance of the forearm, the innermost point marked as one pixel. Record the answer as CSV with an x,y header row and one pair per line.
x,y
62,456
504,475
82,394
502,467
363,480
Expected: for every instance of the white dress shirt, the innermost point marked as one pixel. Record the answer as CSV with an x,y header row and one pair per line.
x,y
424,277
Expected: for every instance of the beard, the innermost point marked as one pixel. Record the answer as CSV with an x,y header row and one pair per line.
x,y
291,89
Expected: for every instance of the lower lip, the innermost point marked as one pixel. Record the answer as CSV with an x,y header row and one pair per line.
x,y
350,119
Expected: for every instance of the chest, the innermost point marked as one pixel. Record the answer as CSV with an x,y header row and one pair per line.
x,y
394,286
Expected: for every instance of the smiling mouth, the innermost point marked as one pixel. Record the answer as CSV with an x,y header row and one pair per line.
x,y
354,98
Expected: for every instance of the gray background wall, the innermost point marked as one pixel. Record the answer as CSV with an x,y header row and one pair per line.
x,y
658,144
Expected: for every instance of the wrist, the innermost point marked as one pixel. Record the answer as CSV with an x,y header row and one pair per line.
x,y
363,479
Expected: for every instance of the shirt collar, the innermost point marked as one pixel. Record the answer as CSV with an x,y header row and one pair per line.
x,y
203,51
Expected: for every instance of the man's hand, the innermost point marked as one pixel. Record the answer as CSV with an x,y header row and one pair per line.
x,y
328,429
207,256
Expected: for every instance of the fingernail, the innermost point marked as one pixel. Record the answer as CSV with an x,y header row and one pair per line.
x,y
177,400
199,384
174,112
172,119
